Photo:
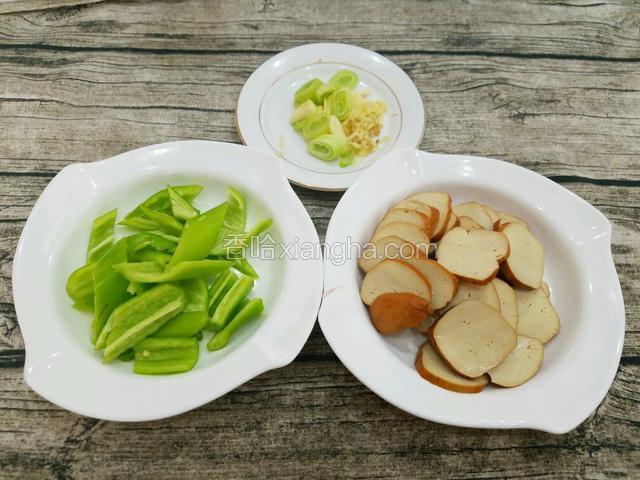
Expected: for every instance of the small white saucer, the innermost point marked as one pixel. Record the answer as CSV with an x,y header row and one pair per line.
x,y
266,102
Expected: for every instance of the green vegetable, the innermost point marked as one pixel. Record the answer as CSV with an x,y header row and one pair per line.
x,y
127,355
139,223
233,226
340,104
101,237
195,314
302,112
141,240
243,240
230,301
110,288
155,356
165,222
199,235
219,288
84,305
345,79
243,266
186,324
323,92
151,255
327,147
347,157
306,91
299,125
80,284
315,125
252,309
152,272
141,316
336,127
136,288
180,207
160,202
198,336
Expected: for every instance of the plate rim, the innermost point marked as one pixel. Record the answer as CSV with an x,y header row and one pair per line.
x,y
329,330
263,350
297,175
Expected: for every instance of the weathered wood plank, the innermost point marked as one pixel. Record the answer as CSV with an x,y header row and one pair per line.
x,y
579,28
553,86
13,6
543,114
314,418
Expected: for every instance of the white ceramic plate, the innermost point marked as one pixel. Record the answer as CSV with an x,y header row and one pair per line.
x,y
266,102
60,362
579,364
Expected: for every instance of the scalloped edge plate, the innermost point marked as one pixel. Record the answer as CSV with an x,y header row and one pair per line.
x,y
60,363
580,363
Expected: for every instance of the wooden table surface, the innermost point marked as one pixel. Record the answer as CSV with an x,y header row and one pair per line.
x,y
553,86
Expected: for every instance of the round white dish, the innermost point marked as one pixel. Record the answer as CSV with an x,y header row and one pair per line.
x,y
579,364
266,102
61,364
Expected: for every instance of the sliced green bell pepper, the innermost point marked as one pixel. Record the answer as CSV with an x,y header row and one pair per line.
x,y
162,243
199,235
219,288
166,355
101,237
160,202
167,223
151,255
243,266
229,302
110,287
152,272
195,314
180,207
141,316
250,310
80,283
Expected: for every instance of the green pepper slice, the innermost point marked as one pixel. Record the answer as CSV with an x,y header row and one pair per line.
x,y
101,237
249,311
180,207
160,202
110,287
199,235
80,283
230,301
152,272
141,240
195,314
155,356
141,316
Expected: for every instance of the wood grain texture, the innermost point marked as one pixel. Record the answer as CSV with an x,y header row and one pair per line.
x,y
553,86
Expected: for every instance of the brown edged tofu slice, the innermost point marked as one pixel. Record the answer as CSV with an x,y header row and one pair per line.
x,y
444,285
520,365
537,318
440,201
390,247
394,312
472,338
475,212
473,256
524,266
508,301
470,291
433,369
393,276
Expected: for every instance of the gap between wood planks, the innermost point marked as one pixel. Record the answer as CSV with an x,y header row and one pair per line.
x,y
190,51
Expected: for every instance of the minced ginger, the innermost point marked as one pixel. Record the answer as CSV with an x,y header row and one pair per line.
x,y
364,123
